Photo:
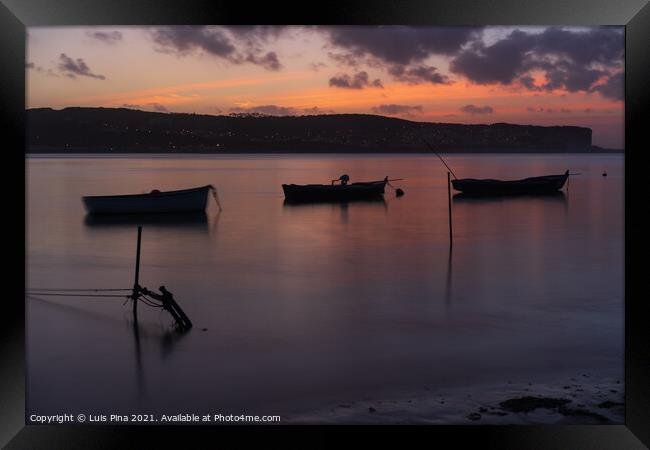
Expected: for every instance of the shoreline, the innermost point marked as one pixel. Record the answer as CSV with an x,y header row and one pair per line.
x,y
578,399
337,153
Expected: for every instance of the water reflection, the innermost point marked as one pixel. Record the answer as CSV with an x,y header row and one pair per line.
x,y
553,197
343,204
343,207
448,281
191,220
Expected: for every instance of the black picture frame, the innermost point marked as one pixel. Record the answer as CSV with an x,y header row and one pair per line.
x,y
15,15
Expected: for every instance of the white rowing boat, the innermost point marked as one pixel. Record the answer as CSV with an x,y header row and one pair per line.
x,y
185,200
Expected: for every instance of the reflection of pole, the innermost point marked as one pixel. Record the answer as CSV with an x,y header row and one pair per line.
x,y
136,288
138,357
448,285
449,201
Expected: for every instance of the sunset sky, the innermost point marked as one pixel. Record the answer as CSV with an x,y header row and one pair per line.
x,y
525,75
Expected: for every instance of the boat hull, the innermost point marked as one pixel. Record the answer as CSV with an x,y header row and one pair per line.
x,y
186,200
333,193
527,186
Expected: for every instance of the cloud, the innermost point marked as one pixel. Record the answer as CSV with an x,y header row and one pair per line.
x,y
401,50
398,45
107,37
236,44
158,107
130,106
418,74
359,80
316,66
317,111
575,61
473,109
73,68
275,110
613,88
549,110
271,110
39,69
269,60
393,110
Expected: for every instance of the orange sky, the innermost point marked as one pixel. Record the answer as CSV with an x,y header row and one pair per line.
x,y
133,67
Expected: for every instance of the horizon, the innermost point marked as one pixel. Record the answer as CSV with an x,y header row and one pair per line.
x,y
539,76
264,115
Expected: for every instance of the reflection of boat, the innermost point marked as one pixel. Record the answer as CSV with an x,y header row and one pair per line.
x,y
189,219
534,185
154,202
554,196
334,193
379,200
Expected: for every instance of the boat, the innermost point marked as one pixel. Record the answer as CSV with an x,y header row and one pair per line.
x,y
334,192
533,185
185,200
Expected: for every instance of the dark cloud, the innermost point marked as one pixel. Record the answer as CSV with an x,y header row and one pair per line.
x,y
158,107
107,37
268,61
39,69
613,88
571,60
73,68
317,111
275,110
271,110
236,44
399,49
399,45
317,66
473,109
359,80
393,109
549,110
418,74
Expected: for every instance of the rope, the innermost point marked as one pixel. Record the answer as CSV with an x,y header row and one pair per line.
x,y
216,197
78,290
150,302
76,295
440,157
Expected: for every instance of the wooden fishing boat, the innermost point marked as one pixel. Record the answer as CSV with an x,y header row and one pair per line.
x,y
185,200
334,192
534,185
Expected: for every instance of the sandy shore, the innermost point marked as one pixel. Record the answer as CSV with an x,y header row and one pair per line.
x,y
581,399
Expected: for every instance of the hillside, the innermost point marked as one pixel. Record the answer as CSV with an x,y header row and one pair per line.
x,y
126,130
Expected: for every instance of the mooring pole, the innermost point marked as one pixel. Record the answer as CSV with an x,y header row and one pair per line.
x,y
136,288
451,239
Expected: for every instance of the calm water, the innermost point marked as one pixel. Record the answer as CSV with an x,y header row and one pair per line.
x,y
317,304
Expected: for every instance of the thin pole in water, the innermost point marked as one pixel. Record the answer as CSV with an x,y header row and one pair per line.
x,y
451,239
136,288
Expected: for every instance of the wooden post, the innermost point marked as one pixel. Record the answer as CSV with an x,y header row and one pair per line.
x,y
136,289
449,201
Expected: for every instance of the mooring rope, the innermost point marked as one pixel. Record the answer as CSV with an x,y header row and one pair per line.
x,y
78,290
75,295
216,197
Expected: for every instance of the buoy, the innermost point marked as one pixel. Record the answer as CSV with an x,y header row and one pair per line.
x,y
604,174
399,192
155,191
